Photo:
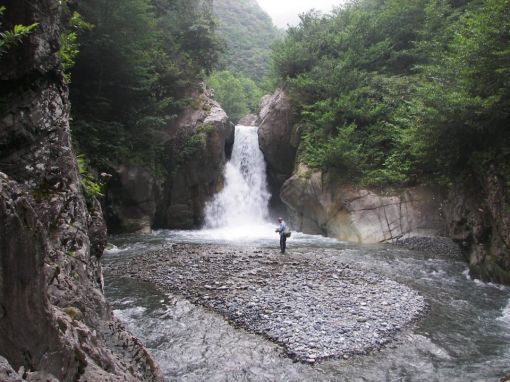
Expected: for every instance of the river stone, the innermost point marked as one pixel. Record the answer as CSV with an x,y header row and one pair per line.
x,y
314,305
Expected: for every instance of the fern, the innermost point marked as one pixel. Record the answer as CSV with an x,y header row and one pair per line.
x,y
11,38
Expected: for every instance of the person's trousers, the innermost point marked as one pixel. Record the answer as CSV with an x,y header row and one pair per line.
x,y
283,243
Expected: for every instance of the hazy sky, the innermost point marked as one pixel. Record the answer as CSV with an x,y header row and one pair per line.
x,y
286,12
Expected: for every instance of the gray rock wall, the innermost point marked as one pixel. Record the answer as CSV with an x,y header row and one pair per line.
x,y
278,139
478,216
54,319
131,199
198,148
320,205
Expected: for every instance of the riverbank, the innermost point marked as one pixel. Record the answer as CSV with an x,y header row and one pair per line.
x,y
310,302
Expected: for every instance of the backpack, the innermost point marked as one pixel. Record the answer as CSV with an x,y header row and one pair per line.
x,y
287,232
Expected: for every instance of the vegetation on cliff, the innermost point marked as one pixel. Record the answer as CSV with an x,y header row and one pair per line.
x,y
237,94
393,93
10,38
138,62
248,33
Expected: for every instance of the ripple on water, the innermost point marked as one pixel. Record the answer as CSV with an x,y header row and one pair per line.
x,y
464,337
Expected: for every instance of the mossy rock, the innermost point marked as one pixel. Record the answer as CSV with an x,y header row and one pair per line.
x,y
491,272
72,312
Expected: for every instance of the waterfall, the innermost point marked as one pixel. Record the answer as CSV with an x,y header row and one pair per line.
x,y
244,200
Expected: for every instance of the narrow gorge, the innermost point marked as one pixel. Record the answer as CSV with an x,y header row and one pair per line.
x,y
142,174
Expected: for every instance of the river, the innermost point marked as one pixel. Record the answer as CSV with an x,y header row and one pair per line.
x,y
464,336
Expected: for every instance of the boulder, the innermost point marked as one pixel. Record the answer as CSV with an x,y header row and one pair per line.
x,y
278,138
131,198
248,120
54,320
199,145
320,205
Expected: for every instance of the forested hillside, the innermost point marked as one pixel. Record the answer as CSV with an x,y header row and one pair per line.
x,y
135,65
248,33
392,93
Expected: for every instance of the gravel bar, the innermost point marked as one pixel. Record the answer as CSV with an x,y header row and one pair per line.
x,y
312,304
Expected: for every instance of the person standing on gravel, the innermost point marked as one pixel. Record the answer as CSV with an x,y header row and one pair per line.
x,y
283,238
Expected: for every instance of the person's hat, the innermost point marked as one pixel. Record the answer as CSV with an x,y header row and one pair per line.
x,y
280,219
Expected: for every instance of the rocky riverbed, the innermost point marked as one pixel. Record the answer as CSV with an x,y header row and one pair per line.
x,y
310,302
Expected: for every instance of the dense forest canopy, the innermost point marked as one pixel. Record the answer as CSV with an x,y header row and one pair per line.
x,y
139,61
386,93
394,93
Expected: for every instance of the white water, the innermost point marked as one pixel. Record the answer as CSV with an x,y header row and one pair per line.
x,y
240,210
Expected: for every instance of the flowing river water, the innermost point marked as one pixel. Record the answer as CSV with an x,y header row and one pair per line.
x,y
464,336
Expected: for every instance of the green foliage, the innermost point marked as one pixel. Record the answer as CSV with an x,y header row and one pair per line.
x,y
248,32
72,312
91,188
192,145
69,46
134,73
391,93
11,38
237,94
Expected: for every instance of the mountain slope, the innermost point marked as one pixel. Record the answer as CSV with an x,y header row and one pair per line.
x,y
249,32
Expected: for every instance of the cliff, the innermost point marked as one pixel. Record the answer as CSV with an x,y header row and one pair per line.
x,y
54,319
474,212
478,217
317,203
196,145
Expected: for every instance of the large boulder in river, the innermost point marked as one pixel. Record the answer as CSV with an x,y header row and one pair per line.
x,y
54,319
278,139
199,145
319,205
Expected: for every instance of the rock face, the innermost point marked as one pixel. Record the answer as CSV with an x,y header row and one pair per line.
x,y
197,146
197,150
278,139
248,120
478,216
320,205
54,320
130,199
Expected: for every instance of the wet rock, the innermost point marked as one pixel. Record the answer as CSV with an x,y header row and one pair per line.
x,y
435,246
296,303
130,200
7,373
248,120
198,146
478,219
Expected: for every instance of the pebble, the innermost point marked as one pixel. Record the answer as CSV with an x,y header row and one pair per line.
x,y
312,304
